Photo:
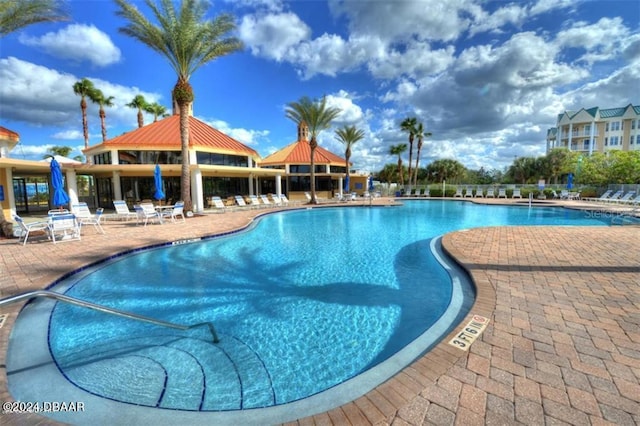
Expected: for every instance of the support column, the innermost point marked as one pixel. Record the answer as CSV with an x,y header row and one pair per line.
x,y
278,185
72,186
197,191
117,186
592,137
570,136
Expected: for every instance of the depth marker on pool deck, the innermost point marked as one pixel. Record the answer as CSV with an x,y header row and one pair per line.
x,y
469,333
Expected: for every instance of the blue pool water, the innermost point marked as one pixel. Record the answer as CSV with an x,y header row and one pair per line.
x,y
303,301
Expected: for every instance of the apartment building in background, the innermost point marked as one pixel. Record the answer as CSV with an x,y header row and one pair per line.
x,y
597,130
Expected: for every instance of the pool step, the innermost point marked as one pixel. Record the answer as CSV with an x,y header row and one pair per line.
x,y
175,372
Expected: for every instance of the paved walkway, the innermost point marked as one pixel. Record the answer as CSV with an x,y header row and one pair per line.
x,y
562,346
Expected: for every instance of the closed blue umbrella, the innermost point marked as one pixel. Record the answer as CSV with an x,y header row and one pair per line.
x,y
346,184
371,184
157,178
570,181
60,198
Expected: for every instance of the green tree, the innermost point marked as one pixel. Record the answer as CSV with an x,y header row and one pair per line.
x,y
409,125
188,40
318,117
85,89
139,103
58,150
388,173
99,98
349,136
157,110
446,170
420,135
557,163
399,150
16,14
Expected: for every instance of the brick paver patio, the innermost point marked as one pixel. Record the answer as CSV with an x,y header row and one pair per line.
x,y
562,347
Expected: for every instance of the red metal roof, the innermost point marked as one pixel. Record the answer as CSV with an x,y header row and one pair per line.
x,y
9,135
165,133
300,153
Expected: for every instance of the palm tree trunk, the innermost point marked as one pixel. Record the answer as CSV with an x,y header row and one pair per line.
x,y
85,126
141,118
415,179
313,144
185,176
104,127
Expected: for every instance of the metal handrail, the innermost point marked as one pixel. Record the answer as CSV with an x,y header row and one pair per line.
x,y
112,311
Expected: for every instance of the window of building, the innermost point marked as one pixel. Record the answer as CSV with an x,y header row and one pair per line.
x,y
631,140
215,159
149,157
606,141
585,145
300,168
606,127
102,158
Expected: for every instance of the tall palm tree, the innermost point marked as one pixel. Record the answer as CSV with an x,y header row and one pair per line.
x,y
157,110
85,89
420,135
188,40
409,125
99,98
140,104
349,135
19,14
399,150
318,117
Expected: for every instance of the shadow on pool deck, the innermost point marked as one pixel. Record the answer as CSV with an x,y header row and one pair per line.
x,y
563,344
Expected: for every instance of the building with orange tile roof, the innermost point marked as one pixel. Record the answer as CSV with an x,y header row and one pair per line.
x,y
122,168
295,160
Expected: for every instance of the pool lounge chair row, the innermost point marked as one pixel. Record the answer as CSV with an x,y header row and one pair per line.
x,y
469,192
249,202
619,197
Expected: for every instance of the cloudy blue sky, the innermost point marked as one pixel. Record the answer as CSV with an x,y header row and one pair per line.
x,y
487,78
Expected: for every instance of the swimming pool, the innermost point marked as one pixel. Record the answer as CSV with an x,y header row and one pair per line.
x,y
339,290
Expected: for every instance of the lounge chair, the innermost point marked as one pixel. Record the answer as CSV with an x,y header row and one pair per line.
x,y
277,201
564,194
458,192
174,213
146,212
284,200
490,193
254,202
625,198
516,193
84,215
64,227
502,193
265,201
427,192
217,204
122,211
633,201
468,192
603,197
616,196
240,202
28,228
479,192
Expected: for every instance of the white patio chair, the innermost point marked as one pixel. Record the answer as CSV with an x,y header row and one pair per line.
x,y
27,228
146,212
84,215
64,227
516,193
122,211
174,213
